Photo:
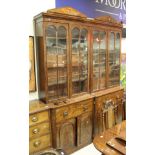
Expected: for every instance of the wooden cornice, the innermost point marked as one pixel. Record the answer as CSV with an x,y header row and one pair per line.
x,y
68,11
108,20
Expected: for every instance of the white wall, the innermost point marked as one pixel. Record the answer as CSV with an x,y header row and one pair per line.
x,y
36,7
123,48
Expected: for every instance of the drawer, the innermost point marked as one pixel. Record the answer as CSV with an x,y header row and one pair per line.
x,y
40,143
85,106
73,110
38,117
40,129
102,99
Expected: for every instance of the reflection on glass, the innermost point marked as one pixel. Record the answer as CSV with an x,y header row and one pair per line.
x,y
96,61
62,61
99,60
84,60
102,59
79,60
75,61
56,61
114,58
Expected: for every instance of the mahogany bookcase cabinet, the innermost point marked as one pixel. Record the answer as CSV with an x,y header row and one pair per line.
x,y
79,77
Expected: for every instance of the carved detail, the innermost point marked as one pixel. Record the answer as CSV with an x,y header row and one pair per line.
x,y
68,11
108,19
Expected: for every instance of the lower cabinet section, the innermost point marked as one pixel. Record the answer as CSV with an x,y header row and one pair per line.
x,y
72,126
40,143
74,133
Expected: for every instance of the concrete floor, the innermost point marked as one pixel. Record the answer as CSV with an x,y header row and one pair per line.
x,y
88,150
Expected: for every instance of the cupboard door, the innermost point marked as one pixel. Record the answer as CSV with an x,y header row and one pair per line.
x,y
66,133
99,60
84,129
114,59
79,60
119,111
56,51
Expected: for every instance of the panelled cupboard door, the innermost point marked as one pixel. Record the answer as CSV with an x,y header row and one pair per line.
x,y
66,133
56,44
84,129
119,111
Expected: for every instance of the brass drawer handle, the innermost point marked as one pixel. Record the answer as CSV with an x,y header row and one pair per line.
x,y
37,143
65,114
34,119
35,131
85,108
118,97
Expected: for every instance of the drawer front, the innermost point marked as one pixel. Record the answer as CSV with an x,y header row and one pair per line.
x,y
40,129
86,106
73,110
38,117
109,97
40,143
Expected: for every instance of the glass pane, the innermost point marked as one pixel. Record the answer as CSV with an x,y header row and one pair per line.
x,y
75,61
51,48
62,61
75,33
84,61
117,48
117,60
102,59
52,82
96,63
51,39
114,59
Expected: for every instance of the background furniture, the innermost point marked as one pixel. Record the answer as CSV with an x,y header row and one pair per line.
x,y
100,141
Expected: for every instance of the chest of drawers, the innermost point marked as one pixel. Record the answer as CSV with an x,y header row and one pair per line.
x,y
39,131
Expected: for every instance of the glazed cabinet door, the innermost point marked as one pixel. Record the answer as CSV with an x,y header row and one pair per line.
x,y
99,59
114,59
79,59
56,41
66,134
84,129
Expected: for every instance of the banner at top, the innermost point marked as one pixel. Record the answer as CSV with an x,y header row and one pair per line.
x,y
96,8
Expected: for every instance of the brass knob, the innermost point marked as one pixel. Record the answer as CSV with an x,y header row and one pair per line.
x,y
34,119
37,143
117,96
65,114
85,108
35,131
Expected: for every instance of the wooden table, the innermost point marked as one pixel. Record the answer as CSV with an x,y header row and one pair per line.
x,y
100,141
